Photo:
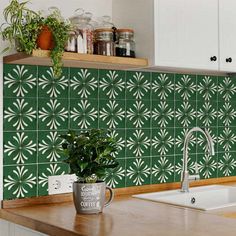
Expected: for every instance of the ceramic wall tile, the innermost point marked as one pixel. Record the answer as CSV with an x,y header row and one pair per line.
x,y
20,181
185,87
83,83
138,171
49,146
112,84
147,113
83,113
20,81
138,85
112,114
163,86
53,114
19,114
163,169
51,87
207,88
116,178
20,147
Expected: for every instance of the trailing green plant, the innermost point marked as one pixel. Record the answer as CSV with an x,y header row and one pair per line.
x,y
60,30
89,154
22,27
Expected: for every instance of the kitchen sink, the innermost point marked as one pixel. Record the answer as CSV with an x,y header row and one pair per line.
x,y
203,198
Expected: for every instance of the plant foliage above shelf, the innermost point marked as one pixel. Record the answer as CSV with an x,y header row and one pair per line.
x,y
22,27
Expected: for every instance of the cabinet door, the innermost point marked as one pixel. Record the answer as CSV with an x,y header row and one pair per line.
x,y
186,33
22,231
227,32
4,228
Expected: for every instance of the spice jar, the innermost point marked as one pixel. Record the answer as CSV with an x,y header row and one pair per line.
x,y
125,45
104,44
84,31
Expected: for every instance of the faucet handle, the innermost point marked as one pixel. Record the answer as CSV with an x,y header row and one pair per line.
x,y
196,176
196,168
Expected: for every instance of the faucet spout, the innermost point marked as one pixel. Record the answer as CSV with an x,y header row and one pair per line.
x,y
185,175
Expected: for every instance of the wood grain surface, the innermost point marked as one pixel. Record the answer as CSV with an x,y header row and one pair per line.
x,y
126,216
42,57
118,192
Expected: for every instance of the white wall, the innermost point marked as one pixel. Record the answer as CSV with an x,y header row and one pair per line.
x,y
67,7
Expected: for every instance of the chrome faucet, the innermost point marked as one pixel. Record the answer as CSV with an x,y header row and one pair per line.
x,y
186,178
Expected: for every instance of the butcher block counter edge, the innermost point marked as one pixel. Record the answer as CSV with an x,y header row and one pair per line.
x,y
60,219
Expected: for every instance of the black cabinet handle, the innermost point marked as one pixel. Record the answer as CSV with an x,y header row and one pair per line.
x,y
214,58
228,60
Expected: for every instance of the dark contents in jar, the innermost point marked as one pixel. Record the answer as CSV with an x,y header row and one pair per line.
x,y
104,48
123,52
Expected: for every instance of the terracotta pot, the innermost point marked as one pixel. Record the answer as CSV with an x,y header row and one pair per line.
x,y
45,39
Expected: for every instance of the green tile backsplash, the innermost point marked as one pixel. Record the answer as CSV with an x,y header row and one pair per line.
x,y
148,114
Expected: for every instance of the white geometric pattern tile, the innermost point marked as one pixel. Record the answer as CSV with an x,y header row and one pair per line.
x,y
147,113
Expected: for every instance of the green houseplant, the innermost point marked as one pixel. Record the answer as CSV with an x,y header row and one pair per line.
x,y
89,154
60,32
23,26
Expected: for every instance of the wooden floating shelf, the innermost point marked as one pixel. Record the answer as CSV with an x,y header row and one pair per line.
x,y
42,57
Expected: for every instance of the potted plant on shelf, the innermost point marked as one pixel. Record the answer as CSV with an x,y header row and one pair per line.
x,y
21,27
89,154
25,30
54,33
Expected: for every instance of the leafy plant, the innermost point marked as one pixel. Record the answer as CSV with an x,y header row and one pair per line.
x,y
60,30
23,26
30,32
89,154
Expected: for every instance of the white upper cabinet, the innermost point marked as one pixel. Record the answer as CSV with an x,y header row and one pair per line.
x,y
186,33
191,34
227,33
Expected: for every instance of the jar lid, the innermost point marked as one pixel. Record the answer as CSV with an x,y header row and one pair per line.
x,y
125,30
80,15
104,30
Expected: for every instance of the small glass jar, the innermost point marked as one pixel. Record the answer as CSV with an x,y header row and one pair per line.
x,y
84,31
106,22
55,12
125,45
104,44
71,45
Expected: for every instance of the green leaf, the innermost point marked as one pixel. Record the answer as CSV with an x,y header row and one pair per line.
x,y
89,153
83,165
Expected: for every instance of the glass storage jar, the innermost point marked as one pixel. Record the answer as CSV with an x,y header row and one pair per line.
x,y
84,31
104,44
125,45
71,45
106,22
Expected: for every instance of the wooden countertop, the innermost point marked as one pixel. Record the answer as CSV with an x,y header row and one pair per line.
x,y
126,216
